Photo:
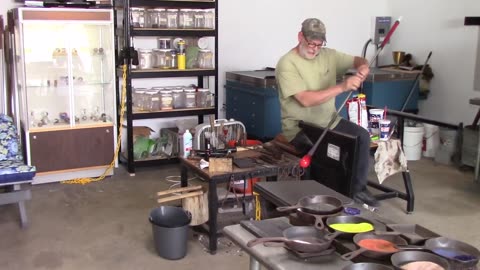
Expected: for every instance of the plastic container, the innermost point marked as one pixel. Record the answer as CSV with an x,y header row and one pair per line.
x,y
412,142
375,115
187,143
209,19
205,59
170,231
431,140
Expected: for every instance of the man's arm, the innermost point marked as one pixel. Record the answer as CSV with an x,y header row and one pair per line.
x,y
312,97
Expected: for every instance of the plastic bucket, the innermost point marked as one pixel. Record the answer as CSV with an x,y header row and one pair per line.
x,y
431,140
170,231
412,142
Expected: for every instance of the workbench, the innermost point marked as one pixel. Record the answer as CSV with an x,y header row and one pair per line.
x,y
270,171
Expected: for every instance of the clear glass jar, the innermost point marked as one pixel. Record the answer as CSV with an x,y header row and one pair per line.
x,y
205,59
161,58
145,59
174,59
178,98
190,98
151,18
166,102
202,97
199,19
152,100
172,18
162,17
137,17
185,19
209,19
138,99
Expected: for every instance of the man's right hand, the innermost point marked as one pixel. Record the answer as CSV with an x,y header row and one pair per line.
x,y
351,83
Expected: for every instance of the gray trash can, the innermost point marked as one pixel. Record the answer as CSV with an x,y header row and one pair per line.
x,y
170,231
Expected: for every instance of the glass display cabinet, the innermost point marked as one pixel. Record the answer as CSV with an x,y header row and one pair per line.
x,y
65,90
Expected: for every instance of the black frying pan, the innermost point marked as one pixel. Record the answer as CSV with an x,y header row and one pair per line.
x,y
377,226
402,258
458,253
378,252
316,204
367,266
298,238
313,219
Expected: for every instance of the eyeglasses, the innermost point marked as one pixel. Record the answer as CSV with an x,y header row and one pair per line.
x,y
312,45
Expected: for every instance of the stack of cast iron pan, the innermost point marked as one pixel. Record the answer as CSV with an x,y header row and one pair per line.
x,y
320,220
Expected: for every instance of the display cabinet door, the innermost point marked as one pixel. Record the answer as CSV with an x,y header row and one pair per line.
x,y
71,149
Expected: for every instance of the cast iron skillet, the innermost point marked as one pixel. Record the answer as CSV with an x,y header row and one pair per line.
x,y
367,266
404,257
377,226
314,219
316,204
299,238
374,253
459,254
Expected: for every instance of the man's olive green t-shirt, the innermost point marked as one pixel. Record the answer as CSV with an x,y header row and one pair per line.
x,y
295,74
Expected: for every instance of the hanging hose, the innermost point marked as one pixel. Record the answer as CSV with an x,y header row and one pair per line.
x,y
87,180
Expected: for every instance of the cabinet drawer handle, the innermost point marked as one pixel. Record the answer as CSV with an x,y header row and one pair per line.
x,y
253,114
34,137
108,130
253,102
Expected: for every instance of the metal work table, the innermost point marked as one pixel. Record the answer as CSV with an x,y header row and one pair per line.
x,y
278,258
260,170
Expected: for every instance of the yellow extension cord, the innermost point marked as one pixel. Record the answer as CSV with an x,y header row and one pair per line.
x,y
258,209
87,180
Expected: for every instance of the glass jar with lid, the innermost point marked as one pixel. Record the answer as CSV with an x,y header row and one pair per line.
x,y
174,59
145,59
164,43
138,17
172,18
138,99
166,102
162,58
199,19
209,19
203,97
152,100
178,98
205,59
151,18
190,97
162,17
185,18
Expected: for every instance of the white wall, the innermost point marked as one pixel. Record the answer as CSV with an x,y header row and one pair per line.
x,y
437,26
253,34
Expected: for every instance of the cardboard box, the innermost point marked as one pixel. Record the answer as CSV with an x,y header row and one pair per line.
x,y
141,131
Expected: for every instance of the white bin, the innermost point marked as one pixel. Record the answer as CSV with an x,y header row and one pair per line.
x,y
412,142
431,140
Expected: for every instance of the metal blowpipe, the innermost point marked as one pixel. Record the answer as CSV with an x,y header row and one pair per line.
x,y
307,159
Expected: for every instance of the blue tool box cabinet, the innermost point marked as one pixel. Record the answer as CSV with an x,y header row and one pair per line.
x,y
252,97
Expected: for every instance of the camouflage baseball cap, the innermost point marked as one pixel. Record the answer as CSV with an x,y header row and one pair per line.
x,y
314,29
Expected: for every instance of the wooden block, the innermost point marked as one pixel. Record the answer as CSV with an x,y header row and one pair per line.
x,y
220,165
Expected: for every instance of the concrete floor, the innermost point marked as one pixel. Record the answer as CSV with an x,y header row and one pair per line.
x,y
104,225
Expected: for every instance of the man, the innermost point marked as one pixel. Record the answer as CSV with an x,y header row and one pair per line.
x,y
306,77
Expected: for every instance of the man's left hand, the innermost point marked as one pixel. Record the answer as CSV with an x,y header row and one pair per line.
x,y
362,72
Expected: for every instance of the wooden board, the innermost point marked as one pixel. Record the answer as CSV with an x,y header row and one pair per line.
x,y
220,165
